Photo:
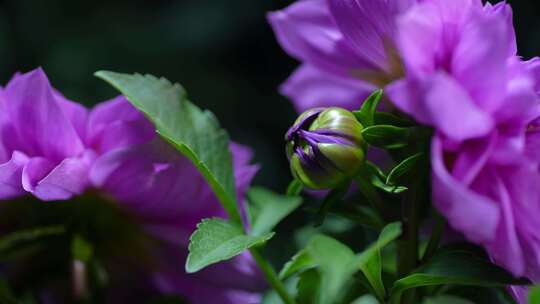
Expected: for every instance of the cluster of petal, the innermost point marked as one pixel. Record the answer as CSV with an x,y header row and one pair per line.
x,y
55,149
452,65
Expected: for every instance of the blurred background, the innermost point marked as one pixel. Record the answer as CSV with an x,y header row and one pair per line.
x,y
222,51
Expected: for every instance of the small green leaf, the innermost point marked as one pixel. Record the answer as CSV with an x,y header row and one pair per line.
x,y
386,136
446,300
308,287
295,188
371,265
272,297
378,180
370,259
299,262
267,209
403,169
24,236
218,240
455,267
366,299
534,295
334,260
385,118
192,131
367,112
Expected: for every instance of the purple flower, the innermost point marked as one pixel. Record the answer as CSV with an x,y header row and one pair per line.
x,y
55,149
480,98
452,65
42,147
346,48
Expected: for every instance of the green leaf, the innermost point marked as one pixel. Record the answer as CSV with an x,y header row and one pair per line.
x,y
403,169
385,118
295,188
455,267
361,215
534,295
299,262
366,299
446,300
308,287
370,259
29,235
267,209
218,240
378,180
366,115
272,297
334,260
192,131
386,136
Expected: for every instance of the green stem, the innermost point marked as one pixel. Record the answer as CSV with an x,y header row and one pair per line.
x,y
408,244
367,189
435,238
271,276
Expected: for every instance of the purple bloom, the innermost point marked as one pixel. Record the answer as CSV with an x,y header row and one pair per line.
x,y
347,49
42,148
480,98
452,65
55,149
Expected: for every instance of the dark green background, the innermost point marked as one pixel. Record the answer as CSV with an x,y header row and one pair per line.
x,y
222,51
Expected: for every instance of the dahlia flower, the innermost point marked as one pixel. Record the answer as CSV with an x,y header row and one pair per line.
x,y
54,149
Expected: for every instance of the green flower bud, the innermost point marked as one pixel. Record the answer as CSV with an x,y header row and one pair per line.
x,y
325,147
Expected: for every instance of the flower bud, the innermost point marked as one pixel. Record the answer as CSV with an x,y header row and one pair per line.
x,y
325,147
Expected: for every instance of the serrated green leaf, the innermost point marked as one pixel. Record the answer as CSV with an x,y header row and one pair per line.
x,y
386,136
366,299
534,295
455,267
218,240
403,168
267,209
192,131
370,259
447,300
299,262
28,235
366,114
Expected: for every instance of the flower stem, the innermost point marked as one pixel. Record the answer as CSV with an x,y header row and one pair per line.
x,y
408,244
271,276
365,187
435,238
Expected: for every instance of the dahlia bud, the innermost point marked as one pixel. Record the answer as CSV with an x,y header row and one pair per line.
x,y
325,147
